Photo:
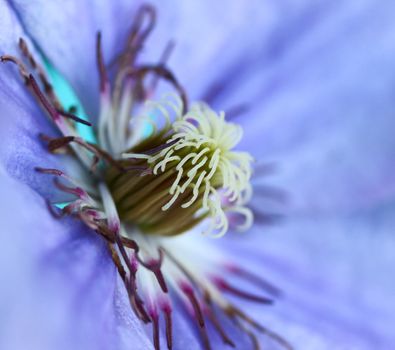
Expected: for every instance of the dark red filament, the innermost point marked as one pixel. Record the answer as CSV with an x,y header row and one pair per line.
x,y
46,104
225,286
188,291
169,326
165,73
155,265
100,64
155,329
74,117
257,280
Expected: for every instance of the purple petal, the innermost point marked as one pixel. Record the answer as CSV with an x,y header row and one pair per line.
x,y
58,281
21,119
321,98
335,277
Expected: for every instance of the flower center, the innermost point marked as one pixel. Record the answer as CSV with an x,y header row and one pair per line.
x,y
191,173
143,188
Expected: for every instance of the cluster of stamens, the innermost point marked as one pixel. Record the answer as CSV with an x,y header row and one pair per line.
x,y
143,189
194,172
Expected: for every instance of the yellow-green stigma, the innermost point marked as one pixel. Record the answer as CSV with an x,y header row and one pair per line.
x,y
191,174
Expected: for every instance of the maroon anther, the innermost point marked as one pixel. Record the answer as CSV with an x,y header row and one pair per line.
x,y
253,337
210,312
49,171
95,162
77,191
160,147
221,331
257,280
90,218
46,104
190,294
162,61
74,117
235,314
60,142
169,325
25,51
136,300
22,69
41,73
160,70
155,265
130,283
100,64
137,36
155,328
56,143
138,33
225,286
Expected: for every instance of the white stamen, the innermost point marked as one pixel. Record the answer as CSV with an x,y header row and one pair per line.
x,y
202,143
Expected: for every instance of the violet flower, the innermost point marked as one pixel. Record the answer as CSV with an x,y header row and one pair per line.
x,y
311,87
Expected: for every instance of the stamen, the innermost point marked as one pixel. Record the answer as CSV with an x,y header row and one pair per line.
x,y
74,117
220,330
169,326
188,291
257,280
60,142
162,71
22,69
234,312
104,83
41,74
117,261
155,328
162,61
253,337
154,265
225,286
216,323
47,105
137,35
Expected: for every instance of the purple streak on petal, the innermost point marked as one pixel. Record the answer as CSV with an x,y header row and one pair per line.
x,y
324,109
334,274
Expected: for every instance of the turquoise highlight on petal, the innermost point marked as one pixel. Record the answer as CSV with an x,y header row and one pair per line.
x,y
62,205
69,98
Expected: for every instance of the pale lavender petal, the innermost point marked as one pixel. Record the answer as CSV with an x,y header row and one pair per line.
x,y
21,119
321,98
335,274
58,281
